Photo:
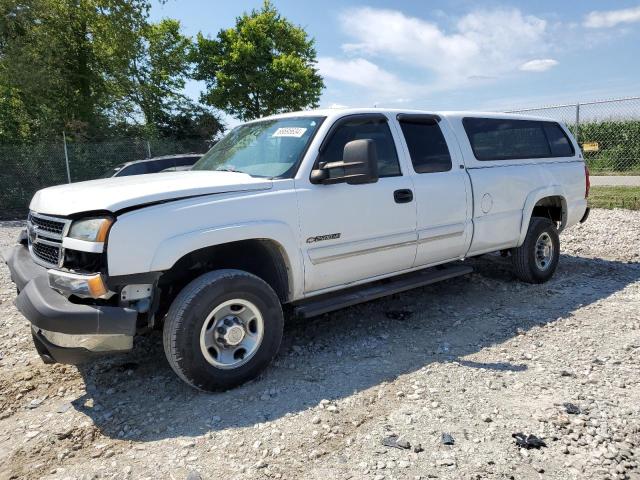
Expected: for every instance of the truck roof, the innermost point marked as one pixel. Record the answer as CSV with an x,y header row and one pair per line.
x,y
340,112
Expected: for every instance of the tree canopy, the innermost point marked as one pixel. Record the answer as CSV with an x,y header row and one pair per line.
x,y
264,65
92,68
101,68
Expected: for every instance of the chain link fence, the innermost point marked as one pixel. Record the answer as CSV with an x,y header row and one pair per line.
x,y
26,168
608,132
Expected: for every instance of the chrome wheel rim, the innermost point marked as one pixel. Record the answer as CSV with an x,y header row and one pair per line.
x,y
544,251
231,334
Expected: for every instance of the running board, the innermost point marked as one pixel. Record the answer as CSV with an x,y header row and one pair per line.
x,y
363,293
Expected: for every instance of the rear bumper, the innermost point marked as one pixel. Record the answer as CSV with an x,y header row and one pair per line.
x,y
64,331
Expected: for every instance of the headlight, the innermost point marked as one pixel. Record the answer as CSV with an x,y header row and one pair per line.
x,y
91,229
80,285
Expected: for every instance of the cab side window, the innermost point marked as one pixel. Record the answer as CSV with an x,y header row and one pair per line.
x,y
427,147
375,129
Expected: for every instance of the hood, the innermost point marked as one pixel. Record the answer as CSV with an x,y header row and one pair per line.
x,y
113,194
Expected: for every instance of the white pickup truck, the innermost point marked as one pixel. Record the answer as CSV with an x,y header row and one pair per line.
x,y
304,212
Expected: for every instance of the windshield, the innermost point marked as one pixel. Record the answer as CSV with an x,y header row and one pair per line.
x,y
269,148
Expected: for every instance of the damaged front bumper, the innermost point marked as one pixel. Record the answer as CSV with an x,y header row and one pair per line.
x,y
64,331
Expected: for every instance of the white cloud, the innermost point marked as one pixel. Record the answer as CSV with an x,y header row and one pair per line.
x,y
611,18
538,65
362,73
483,43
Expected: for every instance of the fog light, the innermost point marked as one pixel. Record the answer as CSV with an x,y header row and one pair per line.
x,y
81,285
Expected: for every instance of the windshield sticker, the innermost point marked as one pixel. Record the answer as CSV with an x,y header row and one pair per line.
x,y
296,132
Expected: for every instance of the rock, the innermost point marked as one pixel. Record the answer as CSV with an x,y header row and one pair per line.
x,y
447,439
35,403
445,462
525,441
315,454
571,408
394,442
194,475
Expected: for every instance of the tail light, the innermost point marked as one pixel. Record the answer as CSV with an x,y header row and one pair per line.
x,y
587,181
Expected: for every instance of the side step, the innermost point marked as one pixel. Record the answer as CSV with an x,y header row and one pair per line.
x,y
363,293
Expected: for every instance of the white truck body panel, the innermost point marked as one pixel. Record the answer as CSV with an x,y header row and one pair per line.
x,y
114,194
476,207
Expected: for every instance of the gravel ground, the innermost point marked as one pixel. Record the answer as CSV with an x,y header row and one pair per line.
x,y
478,358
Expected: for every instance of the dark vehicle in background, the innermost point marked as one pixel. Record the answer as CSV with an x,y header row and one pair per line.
x,y
168,163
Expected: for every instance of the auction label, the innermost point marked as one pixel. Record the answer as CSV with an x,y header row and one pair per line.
x,y
289,132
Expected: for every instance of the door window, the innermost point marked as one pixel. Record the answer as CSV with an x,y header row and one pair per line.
x,y
373,128
427,147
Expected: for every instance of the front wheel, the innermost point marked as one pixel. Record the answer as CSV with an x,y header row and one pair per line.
x,y
223,329
535,261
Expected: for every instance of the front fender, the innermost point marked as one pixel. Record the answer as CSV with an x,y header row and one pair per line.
x,y
172,249
533,198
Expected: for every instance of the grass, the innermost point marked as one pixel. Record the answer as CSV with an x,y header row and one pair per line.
x,y
615,197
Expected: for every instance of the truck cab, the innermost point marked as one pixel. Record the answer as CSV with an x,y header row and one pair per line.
x,y
301,213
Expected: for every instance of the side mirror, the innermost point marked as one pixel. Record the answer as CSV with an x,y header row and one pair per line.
x,y
359,165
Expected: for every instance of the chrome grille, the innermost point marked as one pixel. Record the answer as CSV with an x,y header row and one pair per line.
x,y
46,253
45,225
45,236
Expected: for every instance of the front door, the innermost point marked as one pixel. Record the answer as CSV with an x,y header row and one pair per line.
x,y
357,232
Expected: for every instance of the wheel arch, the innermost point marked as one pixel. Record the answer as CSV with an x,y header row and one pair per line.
x,y
550,202
265,249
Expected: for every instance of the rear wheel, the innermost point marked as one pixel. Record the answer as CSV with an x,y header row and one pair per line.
x,y
223,329
535,261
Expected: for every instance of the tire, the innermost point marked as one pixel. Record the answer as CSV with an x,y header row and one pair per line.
x,y
199,312
528,263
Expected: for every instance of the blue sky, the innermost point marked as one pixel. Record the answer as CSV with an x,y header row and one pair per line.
x,y
454,54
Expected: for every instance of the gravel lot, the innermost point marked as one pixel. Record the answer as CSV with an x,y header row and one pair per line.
x,y
479,358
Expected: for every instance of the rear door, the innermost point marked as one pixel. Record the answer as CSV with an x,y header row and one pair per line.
x,y
352,233
442,188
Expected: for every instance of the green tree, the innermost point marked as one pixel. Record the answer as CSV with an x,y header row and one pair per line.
x,y
190,121
93,68
264,65
60,59
156,75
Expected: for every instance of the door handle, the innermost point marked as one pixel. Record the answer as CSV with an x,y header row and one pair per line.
x,y
404,195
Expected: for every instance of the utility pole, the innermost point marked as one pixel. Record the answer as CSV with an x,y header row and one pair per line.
x,y
66,157
577,121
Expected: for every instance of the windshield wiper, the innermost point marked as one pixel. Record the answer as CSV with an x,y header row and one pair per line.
x,y
228,170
